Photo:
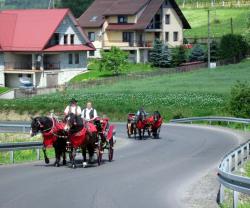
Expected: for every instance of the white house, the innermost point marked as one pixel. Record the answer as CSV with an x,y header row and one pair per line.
x,y
47,47
133,25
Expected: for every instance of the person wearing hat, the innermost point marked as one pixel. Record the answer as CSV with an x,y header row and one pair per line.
x,y
73,108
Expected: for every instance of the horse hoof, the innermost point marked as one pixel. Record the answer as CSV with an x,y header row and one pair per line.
x,y
64,162
84,164
47,160
74,166
56,165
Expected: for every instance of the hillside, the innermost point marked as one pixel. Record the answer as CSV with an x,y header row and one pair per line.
x,y
200,93
220,21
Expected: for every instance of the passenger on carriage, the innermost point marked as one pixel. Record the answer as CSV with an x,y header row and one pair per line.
x,y
89,113
141,112
72,108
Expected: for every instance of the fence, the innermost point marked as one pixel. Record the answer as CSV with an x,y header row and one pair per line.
x,y
231,162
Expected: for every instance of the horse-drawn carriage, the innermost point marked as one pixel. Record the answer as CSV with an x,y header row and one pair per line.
x,y
74,135
139,124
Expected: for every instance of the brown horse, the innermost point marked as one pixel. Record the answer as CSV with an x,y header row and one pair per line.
x,y
53,136
80,137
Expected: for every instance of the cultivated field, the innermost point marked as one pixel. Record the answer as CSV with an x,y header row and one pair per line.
x,y
199,93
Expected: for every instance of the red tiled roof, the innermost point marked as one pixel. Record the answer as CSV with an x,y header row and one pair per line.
x,y
29,30
94,16
125,7
58,48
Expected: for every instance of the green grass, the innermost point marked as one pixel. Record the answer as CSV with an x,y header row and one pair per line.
x,y
199,93
198,21
3,90
94,72
21,155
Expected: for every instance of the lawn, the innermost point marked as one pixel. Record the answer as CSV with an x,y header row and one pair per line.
x,y
198,21
3,89
95,73
199,93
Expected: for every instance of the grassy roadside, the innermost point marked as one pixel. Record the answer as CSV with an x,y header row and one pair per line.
x,y
3,90
21,155
199,93
220,21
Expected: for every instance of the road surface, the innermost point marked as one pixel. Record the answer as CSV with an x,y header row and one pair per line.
x,y
147,173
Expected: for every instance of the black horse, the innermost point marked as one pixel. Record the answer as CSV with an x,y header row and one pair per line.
x,y
45,125
74,124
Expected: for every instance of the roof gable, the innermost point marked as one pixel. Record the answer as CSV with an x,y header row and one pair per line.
x,y
29,29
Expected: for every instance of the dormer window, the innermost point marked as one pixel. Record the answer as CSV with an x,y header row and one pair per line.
x,y
122,19
72,39
65,39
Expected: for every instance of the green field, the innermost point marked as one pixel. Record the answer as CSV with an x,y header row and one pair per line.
x,y
220,21
198,93
3,89
95,73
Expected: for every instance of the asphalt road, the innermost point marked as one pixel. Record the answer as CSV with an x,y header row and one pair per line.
x,y
145,173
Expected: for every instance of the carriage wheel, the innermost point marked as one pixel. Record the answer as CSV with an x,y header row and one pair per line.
x,y
111,149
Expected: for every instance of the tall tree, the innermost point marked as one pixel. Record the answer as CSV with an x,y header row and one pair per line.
x,y
165,60
76,6
156,53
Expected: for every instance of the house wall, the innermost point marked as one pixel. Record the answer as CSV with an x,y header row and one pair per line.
x,y
67,27
2,82
114,19
11,58
98,40
64,60
174,26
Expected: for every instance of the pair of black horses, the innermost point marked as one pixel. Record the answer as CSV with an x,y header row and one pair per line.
x,y
73,125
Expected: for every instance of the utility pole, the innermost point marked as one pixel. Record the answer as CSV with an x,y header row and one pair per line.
x,y
231,25
208,38
51,4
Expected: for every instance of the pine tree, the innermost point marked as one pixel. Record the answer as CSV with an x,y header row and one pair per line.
x,y
179,56
165,60
156,53
197,54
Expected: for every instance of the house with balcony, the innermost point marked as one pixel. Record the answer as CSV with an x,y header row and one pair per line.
x,y
45,47
133,25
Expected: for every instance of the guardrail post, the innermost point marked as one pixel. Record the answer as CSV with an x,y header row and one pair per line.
x,y
235,199
38,154
222,189
236,160
247,150
23,129
12,156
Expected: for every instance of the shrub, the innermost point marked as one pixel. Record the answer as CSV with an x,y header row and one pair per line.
x,y
165,60
114,60
233,47
179,56
178,115
240,100
197,53
160,55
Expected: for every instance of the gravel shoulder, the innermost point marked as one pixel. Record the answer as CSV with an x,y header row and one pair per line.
x,y
202,191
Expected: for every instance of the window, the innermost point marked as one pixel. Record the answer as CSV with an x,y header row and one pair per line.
x,y
77,58
127,36
65,39
167,19
157,35
91,53
175,36
166,36
91,36
29,75
93,19
122,19
72,39
56,38
70,58
20,75
166,2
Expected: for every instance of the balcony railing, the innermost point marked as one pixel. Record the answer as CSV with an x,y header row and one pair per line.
x,y
30,66
146,44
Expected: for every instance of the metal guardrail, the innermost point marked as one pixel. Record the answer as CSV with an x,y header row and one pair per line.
x,y
231,162
14,128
